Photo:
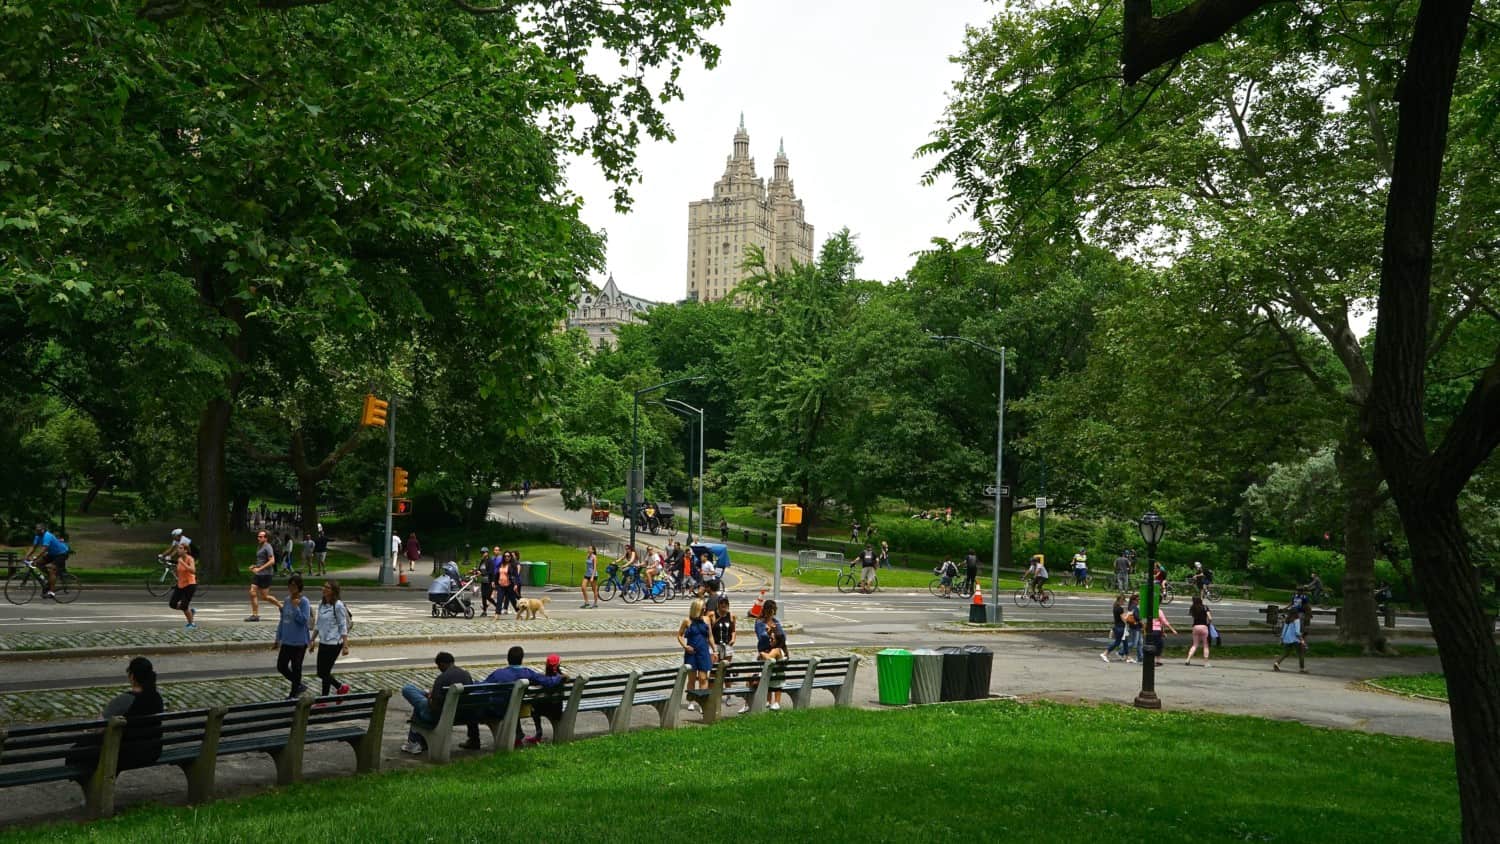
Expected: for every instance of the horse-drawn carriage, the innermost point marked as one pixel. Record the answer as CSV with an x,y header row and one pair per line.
x,y
655,517
599,513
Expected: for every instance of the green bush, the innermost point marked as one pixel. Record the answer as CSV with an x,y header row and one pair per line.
x,y
931,536
1285,566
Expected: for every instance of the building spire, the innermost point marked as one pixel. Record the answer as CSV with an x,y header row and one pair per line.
x,y
742,121
779,171
741,140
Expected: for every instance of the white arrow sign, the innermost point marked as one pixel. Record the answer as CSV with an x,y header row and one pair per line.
x,y
990,491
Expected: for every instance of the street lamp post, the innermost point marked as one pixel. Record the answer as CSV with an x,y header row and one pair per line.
x,y
701,513
1151,526
635,447
62,491
999,613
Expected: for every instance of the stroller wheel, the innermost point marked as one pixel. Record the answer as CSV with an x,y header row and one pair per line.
x,y
434,610
469,611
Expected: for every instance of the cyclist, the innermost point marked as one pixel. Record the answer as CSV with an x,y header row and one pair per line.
x,y
177,539
1314,588
867,562
1201,577
948,570
1081,566
1036,575
54,556
632,565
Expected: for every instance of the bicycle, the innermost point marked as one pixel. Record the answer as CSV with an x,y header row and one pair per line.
x,y
21,587
1210,593
956,589
159,583
850,582
1041,594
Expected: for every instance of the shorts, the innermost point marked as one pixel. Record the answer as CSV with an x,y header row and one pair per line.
x,y
726,652
182,596
264,581
59,563
590,573
322,557
868,574
947,580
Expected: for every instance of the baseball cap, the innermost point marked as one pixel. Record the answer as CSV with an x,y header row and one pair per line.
x,y
553,660
176,533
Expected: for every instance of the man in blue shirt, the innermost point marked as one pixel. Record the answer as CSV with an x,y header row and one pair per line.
x,y
514,671
54,554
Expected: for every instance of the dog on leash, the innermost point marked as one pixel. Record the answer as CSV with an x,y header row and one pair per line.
x,y
533,607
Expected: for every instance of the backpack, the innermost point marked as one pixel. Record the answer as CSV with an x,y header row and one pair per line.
x,y
348,617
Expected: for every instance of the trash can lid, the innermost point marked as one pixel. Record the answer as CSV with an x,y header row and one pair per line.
x,y
894,652
925,652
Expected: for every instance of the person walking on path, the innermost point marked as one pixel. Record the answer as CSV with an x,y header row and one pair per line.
x,y
486,569
425,706
1118,630
333,636
413,551
590,578
261,575
854,531
1158,640
396,550
309,552
1291,639
320,551
697,654
187,584
293,634
1202,618
513,573
1132,648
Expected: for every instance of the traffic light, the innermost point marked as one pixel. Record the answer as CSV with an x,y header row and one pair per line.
x,y
401,507
373,414
399,485
791,514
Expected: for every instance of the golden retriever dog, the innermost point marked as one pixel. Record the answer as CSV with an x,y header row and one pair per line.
x,y
533,607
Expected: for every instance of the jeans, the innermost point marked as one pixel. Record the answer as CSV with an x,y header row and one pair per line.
x,y
1132,643
289,665
1118,641
327,656
421,712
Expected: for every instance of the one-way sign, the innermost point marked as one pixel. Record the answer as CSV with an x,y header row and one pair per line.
x,y
990,491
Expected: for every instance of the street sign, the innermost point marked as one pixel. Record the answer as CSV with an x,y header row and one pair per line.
x,y
989,491
1041,503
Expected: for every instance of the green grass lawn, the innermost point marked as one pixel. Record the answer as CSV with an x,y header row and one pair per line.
x,y
1427,685
996,771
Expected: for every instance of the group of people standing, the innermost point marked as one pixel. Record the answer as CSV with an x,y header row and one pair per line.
x,y
709,634
500,583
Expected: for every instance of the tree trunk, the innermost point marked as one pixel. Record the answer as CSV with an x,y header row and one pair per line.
x,y
1359,478
1465,635
213,497
809,513
307,498
239,512
88,497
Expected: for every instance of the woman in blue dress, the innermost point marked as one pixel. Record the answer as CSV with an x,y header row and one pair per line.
x,y
697,653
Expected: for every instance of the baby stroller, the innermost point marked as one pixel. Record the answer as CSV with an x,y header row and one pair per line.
x,y
452,596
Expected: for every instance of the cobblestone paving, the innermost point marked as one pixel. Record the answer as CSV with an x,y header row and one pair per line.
x,y
265,631
70,704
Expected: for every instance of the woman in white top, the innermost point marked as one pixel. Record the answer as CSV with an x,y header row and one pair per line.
x,y
333,636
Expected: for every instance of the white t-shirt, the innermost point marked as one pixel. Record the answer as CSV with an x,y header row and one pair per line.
x,y
710,571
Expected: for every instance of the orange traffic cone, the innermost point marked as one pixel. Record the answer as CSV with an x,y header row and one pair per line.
x,y
402,573
759,602
978,598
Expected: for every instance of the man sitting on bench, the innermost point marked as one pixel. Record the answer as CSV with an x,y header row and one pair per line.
x,y
427,706
513,671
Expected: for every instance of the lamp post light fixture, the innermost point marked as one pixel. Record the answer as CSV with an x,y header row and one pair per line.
x,y
1152,526
998,613
635,449
62,491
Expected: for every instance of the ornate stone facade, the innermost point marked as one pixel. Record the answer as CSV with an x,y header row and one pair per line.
x,y
600,313
744,211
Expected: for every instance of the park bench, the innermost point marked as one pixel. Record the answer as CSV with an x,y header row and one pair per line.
x,y
193,740
735,679
615,695
569,693
834,673
478,702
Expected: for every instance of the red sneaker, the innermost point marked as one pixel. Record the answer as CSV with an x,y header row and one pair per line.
x,y
344,689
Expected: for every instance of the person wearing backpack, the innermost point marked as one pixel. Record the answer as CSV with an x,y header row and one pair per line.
x,y
334,622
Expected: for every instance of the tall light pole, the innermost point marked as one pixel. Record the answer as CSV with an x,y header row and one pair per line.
x,y
701,513
999,614
1151,526
635,448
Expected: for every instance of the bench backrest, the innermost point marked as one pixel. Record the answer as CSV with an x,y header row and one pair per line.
x,y
358,706
482,700
794,670
831,668
28,746
605,686
741,673
244,719
655,682
558,692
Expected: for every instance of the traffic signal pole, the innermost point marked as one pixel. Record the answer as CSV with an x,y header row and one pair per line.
x,y
387,558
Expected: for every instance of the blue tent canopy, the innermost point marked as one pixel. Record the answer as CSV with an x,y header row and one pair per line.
x,y
719,550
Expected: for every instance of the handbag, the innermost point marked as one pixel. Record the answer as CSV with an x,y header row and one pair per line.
x,y
1213,635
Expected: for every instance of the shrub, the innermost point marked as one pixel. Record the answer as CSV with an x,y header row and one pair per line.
x,y
1286,566
932,536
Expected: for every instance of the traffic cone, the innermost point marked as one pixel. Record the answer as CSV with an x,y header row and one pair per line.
x,y
978,598
402,572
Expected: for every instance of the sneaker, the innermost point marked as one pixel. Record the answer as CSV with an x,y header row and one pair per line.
x,y
532,741
1275,667
584,606
1104,657
775,707
1130,660
190,626
1302,671
52,595
412,747
1205,665
744,707
692,706
344,689
594,605
252,618
471,744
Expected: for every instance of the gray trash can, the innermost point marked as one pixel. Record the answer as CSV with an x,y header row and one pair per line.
x,y
979,661
955,673
926,676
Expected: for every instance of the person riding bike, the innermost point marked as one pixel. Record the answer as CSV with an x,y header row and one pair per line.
x,y
54,556
1314,588
178,538
1081,566
1201,577
1036,575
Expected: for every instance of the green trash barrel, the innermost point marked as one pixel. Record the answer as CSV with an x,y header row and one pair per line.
x,y
893,674
377,541
539,572
926,676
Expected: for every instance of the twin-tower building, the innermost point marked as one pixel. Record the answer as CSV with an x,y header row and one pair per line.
x,y
744,211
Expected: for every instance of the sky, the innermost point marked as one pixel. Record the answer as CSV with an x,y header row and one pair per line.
x,y
852,86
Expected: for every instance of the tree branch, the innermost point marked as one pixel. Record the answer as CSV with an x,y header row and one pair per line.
x,y
1151,41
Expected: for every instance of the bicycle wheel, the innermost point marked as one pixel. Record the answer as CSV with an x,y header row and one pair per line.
x,y
607,591
1088,582
1166,597
1020,597
160,583
875,584
1212,594
632,593
662,591
845,582
936,586
1046,599
20,587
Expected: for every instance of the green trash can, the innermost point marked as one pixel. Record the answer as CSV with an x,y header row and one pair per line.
x,y
539,572
926,676
893,674
377,541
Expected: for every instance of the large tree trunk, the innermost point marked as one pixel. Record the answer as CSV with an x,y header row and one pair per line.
x,y
1465,635
239,512
307,498
1359,478
213,492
